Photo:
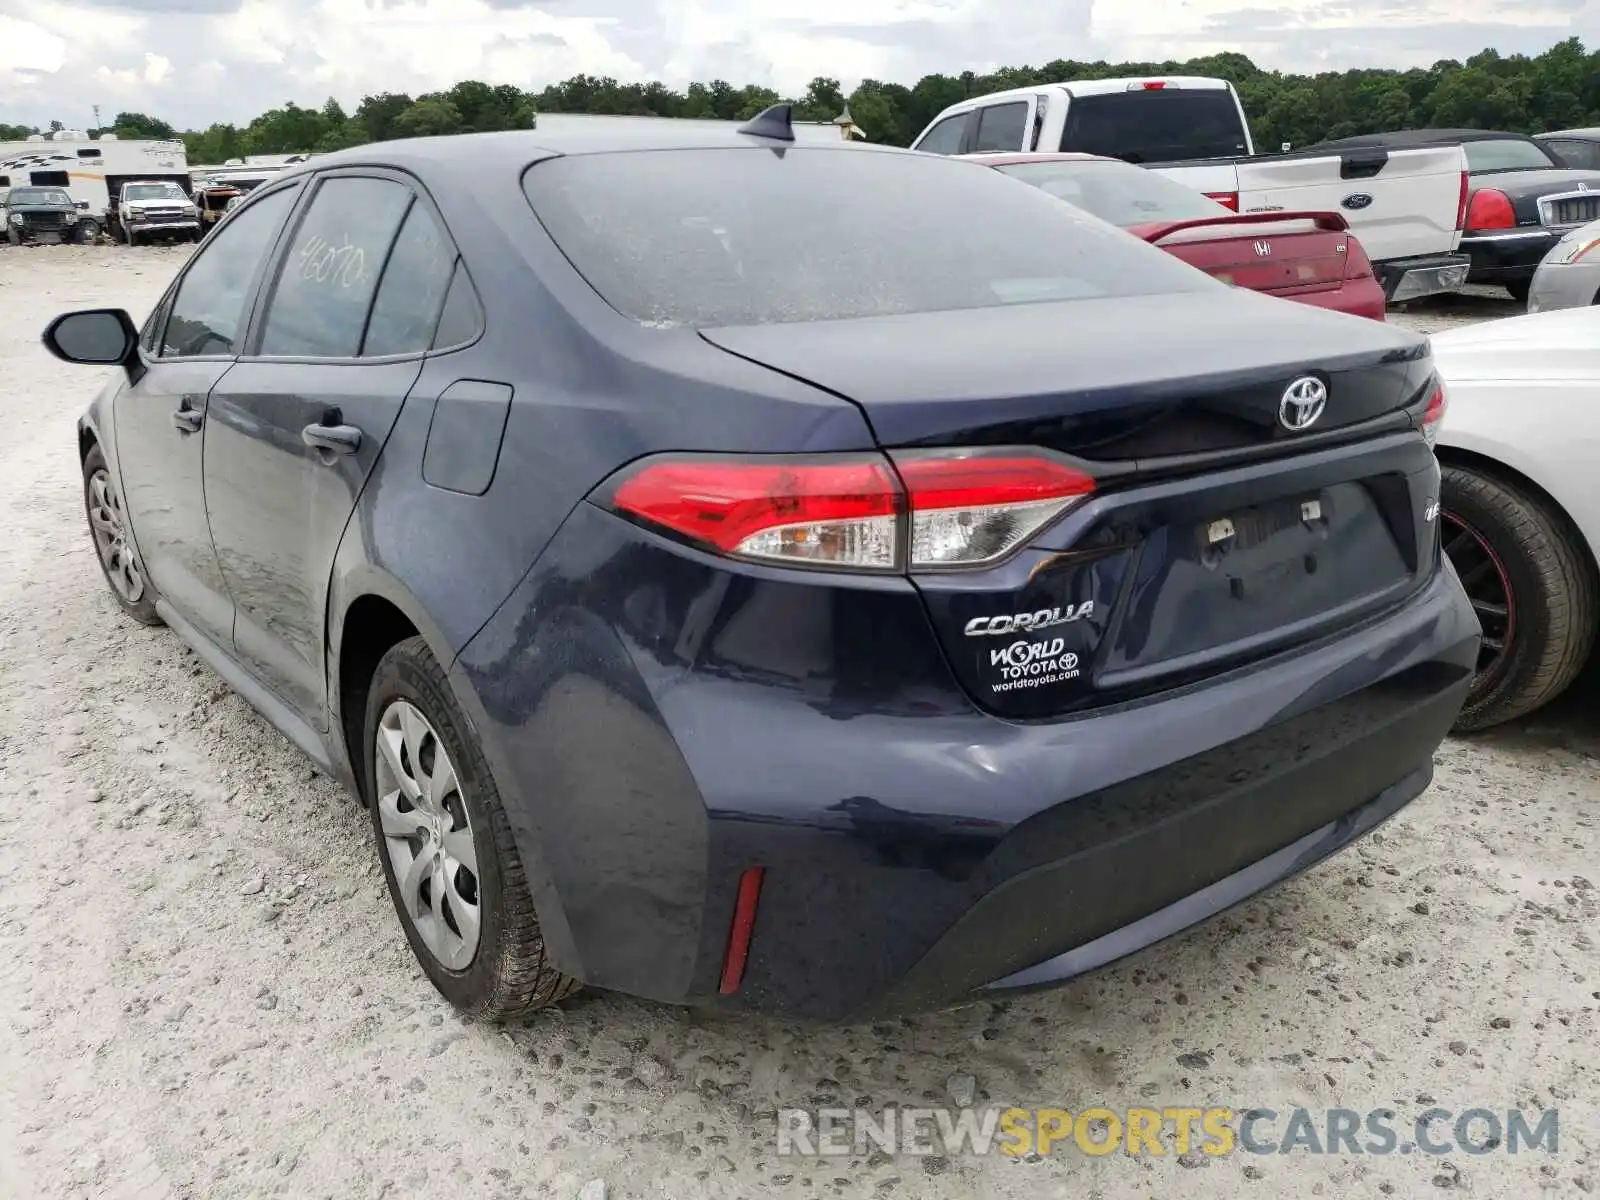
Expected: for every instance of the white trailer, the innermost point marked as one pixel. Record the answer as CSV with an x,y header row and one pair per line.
x,y
92,170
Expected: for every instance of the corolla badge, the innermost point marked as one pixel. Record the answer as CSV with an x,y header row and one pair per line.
x,y
1357,200
1302,403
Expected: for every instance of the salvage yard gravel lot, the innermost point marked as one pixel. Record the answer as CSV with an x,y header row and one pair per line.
x,y
207,994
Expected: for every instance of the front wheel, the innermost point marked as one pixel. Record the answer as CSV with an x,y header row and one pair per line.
x,y
108,525
1533,588
453,870
86,232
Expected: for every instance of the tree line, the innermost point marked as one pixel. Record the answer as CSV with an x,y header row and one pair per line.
x,y
1528,94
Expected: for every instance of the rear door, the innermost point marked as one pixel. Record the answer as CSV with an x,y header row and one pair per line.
x,y
1003,127
297,425
1400,203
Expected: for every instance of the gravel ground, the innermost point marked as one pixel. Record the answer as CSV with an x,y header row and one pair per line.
x,y
208,994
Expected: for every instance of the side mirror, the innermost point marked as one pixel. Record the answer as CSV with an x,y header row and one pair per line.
x,y
96,337
84,205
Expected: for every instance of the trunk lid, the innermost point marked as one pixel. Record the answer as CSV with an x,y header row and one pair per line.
x,y
1176,567
1292,252
1525,188
1115,380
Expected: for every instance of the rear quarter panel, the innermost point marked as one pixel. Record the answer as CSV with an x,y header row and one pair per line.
x,y
1543,422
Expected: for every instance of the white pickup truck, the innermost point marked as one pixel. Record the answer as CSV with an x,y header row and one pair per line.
x,y
1408,207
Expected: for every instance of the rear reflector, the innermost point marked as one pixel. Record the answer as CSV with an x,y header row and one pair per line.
x,y
1228,200
928,509
739,933
1433,415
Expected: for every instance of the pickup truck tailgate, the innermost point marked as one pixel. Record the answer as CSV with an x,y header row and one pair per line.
x,y
1400,203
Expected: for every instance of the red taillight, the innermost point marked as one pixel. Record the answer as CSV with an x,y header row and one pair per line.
x,y
740,931
841,512
1461,204
945,508
1154,85
1228,200
1490,209
1433,415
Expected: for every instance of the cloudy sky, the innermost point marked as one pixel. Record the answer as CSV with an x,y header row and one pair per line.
x,y
193,62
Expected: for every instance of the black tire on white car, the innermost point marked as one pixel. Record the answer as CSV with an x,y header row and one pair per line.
x,y
1505,539
1519,289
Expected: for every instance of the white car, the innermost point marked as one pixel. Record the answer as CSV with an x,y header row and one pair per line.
x,y
1520,502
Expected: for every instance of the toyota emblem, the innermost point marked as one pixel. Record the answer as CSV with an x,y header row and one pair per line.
x,y
1263,249
1302,403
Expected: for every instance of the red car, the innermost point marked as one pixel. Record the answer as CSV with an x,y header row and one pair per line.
x,y
1307,256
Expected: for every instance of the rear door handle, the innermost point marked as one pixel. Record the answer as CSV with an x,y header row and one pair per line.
x,y
188,420
335,439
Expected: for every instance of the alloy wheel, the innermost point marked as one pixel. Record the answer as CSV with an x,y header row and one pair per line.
x,y
110,526
1488,586
427,835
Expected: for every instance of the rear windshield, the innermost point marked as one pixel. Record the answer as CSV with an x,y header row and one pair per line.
x,y
1117,192
751,237
1164,126
1506,154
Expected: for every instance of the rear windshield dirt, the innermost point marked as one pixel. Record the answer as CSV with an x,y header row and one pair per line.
x,y
747,236
1117,192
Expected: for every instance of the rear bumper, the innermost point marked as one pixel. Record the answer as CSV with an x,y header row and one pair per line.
x,y
1508,257
1413,278
1357,297
658,722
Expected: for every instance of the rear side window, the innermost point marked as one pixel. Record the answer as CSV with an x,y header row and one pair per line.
x,y
414,283
747,237
1001,127
1117,192
327,279
1157,126
1506,154
208,311
945,137
462,318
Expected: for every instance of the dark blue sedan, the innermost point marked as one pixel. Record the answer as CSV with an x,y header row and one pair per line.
x,y
823,580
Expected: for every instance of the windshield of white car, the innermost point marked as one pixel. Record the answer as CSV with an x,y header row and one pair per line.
x,y
38,196
153,191
709,238
1116,192
1506,154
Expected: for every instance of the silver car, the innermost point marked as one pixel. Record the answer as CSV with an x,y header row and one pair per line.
x,y
1569,276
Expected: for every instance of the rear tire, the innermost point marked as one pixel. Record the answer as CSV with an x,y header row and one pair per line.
x,y
504,974
1549,625
1519,289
